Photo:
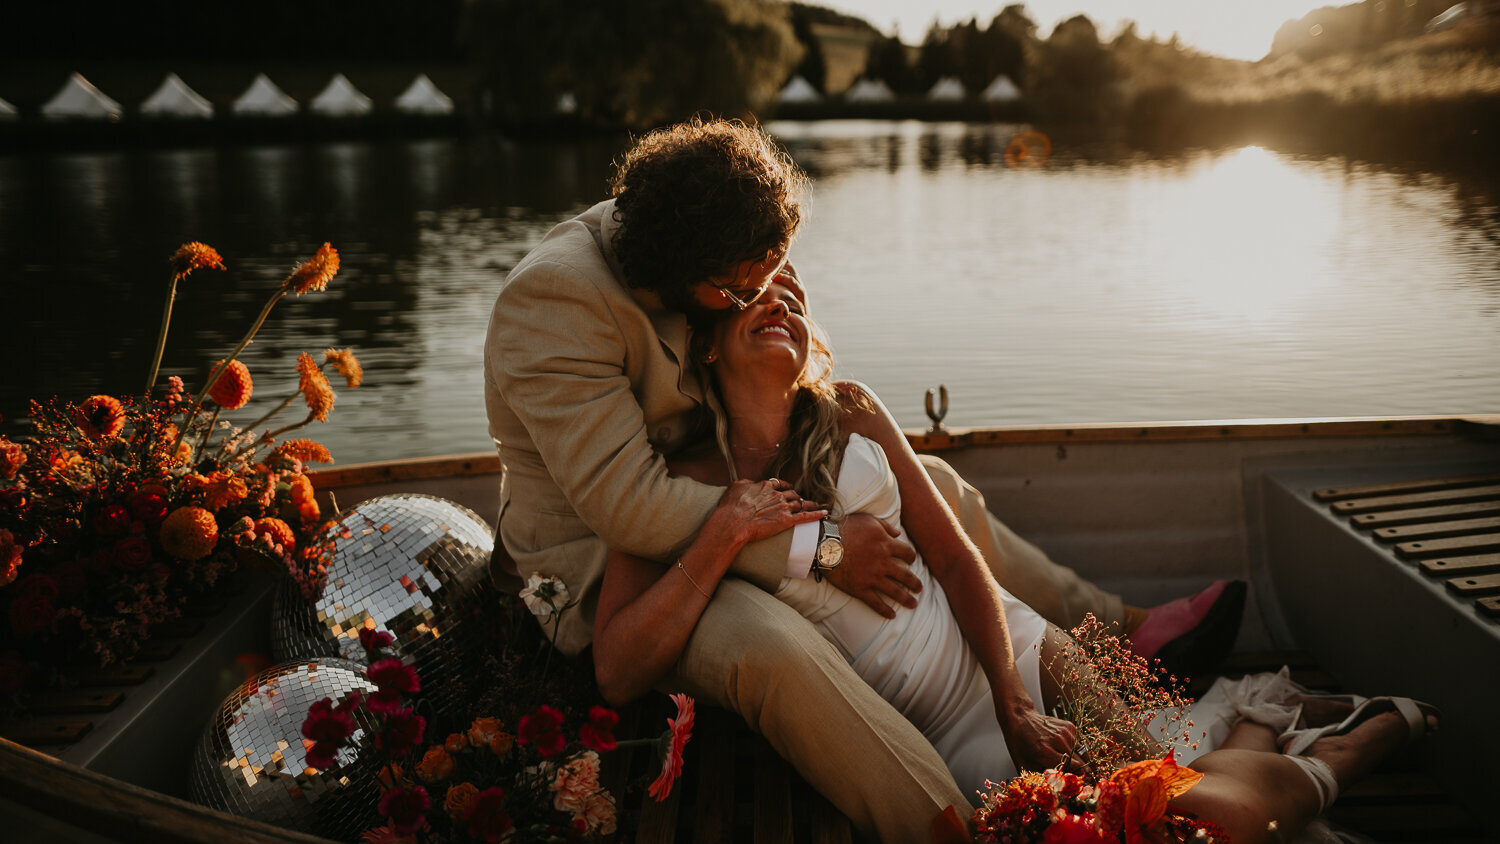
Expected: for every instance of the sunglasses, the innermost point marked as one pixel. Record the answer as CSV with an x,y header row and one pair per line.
x,y
742,301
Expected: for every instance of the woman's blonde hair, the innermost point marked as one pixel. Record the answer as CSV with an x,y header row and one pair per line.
x,y
814,447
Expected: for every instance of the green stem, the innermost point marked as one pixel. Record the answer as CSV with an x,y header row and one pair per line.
x,y
214,378
209,430
275,410
161,337
271,435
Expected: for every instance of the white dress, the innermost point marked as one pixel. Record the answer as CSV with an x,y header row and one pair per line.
x,y
919,661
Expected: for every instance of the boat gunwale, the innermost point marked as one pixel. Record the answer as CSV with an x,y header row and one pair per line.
x,y
488,463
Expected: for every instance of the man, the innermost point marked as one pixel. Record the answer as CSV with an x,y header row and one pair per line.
x,y
588,385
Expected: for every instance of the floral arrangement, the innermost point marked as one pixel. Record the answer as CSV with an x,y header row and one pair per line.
x,y
1129,805
483,782
1111,694
117,510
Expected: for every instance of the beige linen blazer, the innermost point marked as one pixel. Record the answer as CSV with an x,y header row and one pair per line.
x,y
587,386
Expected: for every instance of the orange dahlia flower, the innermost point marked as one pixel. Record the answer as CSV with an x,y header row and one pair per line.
x,y
194,256
232,390
101,416
308,451
347,365
315,273
314,387
279,531
189,533
224,489
301,488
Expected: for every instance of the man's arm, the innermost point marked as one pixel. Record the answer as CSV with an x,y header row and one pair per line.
x,y
556,351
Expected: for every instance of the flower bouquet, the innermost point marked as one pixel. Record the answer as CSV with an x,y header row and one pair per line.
x,y
113,511
481,782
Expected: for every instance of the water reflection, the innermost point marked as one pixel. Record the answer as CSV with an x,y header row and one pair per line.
x,y
1105,286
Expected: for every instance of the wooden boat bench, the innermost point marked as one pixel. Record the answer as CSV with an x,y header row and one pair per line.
x,y
1390,578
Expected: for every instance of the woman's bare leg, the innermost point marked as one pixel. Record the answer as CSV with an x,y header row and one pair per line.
x,y
1243,790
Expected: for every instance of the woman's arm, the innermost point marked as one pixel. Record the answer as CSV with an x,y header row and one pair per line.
x,y
1036,741
645,615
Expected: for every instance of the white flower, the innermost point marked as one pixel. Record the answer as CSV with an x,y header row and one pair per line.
x,y
544,595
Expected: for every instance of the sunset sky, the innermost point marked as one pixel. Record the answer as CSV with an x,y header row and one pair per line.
x,y
1240,29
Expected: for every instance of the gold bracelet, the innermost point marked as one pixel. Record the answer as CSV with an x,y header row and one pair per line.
x,y
692,581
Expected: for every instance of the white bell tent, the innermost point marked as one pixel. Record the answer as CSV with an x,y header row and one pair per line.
x,y
947,89
340,99
173,98
1002,90
78,99
798,90
264,99
869,91
8,111
423,97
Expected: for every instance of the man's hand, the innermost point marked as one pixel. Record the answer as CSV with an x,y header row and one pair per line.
x,y
876,565
1036,741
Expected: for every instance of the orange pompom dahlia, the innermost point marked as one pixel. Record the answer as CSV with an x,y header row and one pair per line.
x,y
279,531
347,365
232,390
314,387
224,489
189,533
101,416
315,273
194,256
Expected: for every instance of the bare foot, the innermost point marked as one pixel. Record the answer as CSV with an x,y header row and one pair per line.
x,y
1322,711
1356,753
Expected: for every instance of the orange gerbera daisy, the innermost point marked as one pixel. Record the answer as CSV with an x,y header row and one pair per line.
x,y
189,533
314,387
315,273
194,256
308,451
232,390
224,489
101,416
346,364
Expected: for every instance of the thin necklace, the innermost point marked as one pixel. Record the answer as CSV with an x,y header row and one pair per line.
x,y
767,449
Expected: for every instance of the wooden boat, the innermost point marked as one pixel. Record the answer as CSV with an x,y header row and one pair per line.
x,y
1372,548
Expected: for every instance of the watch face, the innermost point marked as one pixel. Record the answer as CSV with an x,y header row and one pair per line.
x,y
830,553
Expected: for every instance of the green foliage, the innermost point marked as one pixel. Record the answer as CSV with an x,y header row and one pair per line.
x,y
638,64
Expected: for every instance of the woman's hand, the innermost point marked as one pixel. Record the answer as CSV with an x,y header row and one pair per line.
x,y
1037,741
754,510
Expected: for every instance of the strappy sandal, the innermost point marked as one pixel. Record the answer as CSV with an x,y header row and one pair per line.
x,y
1296,742
1354,701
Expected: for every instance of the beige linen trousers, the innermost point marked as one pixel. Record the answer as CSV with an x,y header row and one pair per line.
x,y
587,387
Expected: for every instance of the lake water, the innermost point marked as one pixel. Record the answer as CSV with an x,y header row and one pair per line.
x,y
1101,287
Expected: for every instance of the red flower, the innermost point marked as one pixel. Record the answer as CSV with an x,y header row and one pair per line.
x,y
544,729
326,727
101,416
406,808
12,673
131,553
487,817
1071,829
394,680
233,388
149,506
403,731
193,256
369,638
599,732
31,613
682,730
12,458
112,520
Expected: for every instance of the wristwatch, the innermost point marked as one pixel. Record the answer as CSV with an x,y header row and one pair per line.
x,y
830,550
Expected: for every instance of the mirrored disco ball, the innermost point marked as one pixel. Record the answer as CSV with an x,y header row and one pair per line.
x,y
413,566
251,760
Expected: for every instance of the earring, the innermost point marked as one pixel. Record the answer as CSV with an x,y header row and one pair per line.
x,y
711,356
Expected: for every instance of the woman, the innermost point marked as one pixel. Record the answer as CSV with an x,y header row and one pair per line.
x,y
964,665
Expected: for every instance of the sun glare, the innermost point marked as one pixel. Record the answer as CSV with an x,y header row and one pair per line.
x,y
1254,242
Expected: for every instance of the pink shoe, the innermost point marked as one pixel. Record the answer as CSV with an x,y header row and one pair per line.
x,y
1193,634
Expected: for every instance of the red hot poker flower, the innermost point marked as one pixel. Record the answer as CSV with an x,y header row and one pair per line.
x,y
315,273
599,732
544,729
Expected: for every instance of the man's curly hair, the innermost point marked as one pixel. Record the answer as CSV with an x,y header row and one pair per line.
x,y
696,199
